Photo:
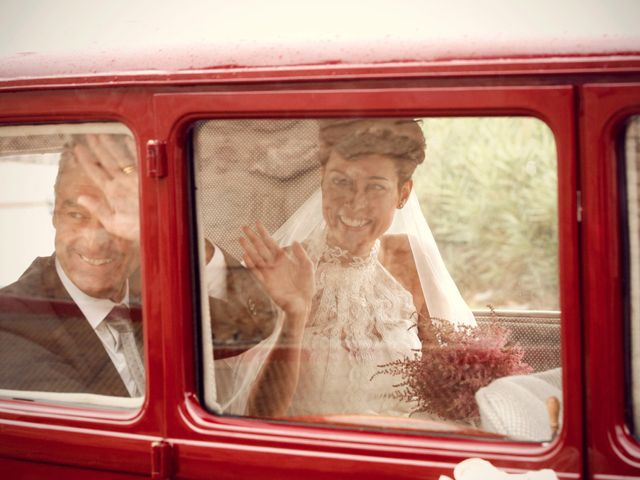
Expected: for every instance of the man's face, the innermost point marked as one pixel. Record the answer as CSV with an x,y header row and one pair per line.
x,y
97,262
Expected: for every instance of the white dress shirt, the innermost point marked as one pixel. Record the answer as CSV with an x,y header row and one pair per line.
x,y
215,274
95,311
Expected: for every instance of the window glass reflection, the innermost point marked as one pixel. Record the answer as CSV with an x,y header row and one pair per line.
x,y
632,167
70,318
336,304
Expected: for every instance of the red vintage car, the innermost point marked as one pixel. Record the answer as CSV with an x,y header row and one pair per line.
x,y
531,115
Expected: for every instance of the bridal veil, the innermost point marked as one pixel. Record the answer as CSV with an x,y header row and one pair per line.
x,y
440,291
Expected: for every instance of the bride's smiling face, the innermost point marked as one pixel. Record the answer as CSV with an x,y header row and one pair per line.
x,y
359,198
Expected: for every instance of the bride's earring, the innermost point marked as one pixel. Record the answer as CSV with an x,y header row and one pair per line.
x,y
401,204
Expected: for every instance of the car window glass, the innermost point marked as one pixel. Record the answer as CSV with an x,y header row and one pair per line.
x,y
409,270
632,164
70,306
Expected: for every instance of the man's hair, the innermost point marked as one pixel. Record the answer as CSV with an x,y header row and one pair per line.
x,y
67,163
400,139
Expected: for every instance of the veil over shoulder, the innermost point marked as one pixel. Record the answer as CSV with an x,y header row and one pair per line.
x,y
440,291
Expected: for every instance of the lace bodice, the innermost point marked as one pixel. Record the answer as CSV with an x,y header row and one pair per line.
x,y
361,318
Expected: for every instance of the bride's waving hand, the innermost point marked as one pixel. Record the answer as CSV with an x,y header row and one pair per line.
x,y
287,274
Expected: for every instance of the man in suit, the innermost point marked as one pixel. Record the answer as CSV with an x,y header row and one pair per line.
x,y
59,325
65,324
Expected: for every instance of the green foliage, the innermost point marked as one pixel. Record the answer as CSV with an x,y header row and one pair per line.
x,y
489,191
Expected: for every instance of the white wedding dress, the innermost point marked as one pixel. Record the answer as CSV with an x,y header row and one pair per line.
x,y
361,319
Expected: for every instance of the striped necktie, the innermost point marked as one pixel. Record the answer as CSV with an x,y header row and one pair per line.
x,y
119,320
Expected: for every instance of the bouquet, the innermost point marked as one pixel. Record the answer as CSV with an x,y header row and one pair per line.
x,y
456,361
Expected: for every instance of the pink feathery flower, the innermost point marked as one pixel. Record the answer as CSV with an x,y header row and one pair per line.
x,y
443,378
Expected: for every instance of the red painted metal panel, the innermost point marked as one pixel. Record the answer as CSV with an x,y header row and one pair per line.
x,y
536,69
29,470
207,445
244,447
611,448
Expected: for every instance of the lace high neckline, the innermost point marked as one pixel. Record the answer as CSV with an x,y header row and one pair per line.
x,y
339,256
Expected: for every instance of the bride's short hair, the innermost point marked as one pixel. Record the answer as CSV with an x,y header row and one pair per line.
x,y
401,139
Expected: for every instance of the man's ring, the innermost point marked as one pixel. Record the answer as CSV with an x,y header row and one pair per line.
x,y
128,169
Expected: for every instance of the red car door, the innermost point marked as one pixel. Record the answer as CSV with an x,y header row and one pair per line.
x,y
608,113
204,444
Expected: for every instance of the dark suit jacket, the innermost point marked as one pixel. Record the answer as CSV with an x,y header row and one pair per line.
x,y
46,344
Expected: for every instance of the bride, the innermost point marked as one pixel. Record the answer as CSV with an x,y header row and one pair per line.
x,y
358,273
